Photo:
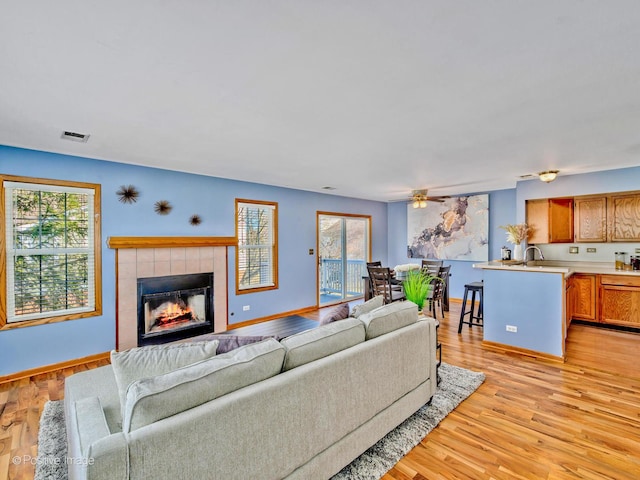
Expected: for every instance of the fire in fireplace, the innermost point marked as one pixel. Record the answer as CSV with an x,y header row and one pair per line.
x,y
174,307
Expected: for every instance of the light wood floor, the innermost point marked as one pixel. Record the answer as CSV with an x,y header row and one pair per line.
x,y
530,419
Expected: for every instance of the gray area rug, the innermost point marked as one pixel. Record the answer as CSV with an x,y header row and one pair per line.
x,y
456,385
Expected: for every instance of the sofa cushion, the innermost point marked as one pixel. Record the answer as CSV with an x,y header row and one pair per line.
x,y
389,317
310,345
339,312
231,342
371,304
141,362
151,399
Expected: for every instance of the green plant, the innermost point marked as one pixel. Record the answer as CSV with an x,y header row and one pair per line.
x,y
417,286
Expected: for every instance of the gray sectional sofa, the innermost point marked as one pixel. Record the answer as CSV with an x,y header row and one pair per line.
x,y
301,408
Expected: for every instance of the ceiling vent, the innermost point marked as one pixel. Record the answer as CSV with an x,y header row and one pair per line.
x,y
75,137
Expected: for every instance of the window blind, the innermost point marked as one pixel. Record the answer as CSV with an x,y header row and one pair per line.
x,y
255,245
49,250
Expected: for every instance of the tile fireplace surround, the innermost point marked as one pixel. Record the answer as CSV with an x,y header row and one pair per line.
x,y
140,257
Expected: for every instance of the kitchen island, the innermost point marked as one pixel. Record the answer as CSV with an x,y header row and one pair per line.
x,y
525,307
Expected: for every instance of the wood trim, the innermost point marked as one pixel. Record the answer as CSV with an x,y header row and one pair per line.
x,y
168,242
48,320
117,306
502,348
276,247
338,214
317,255
299,311
53,367
97,253
97,249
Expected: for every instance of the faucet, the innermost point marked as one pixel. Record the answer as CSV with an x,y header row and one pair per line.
x,y
534,247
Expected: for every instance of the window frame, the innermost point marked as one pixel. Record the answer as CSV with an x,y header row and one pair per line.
x,y
274,249
97,253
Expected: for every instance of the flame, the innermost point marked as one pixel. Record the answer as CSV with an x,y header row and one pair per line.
x,y
172,312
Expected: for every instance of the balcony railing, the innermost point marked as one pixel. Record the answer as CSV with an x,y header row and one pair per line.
x,y
331,277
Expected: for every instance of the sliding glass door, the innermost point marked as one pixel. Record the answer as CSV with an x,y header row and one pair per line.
x,y
343,252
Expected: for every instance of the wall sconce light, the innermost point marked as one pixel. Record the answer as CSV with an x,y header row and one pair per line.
x,y
548,176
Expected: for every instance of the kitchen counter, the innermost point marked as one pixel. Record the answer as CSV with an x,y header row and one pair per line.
x,y
557,266
525,308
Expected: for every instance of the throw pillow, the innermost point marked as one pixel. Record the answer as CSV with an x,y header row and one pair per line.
x,y
152,399
389,318
339,312
310,345
228,343
142,362
367,306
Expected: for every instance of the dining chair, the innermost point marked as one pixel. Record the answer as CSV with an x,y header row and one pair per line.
x,y
380,278
436,296
370,283
432,266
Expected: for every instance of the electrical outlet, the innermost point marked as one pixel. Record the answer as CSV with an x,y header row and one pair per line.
x,y
574,249
637,250
512,328
246,308
591,250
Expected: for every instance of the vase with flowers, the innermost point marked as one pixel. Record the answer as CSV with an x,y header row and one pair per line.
x,y
401,271
516,234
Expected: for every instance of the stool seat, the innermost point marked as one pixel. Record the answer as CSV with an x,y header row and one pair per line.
x,y
473,287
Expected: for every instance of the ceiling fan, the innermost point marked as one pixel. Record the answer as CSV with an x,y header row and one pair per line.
x,y
419,198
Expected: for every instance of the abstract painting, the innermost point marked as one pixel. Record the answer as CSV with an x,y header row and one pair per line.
x,y
457,229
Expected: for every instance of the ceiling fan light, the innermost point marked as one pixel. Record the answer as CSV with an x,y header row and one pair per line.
x,y
548,176
423,204
416,204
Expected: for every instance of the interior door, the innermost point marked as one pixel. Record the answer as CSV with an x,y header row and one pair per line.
x,y
343,252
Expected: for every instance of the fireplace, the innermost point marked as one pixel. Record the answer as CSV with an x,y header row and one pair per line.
x,y
174,307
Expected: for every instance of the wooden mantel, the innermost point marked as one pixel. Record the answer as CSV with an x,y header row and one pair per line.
x,y
169,242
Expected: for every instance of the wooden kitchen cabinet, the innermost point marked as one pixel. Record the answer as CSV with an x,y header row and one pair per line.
x,y
569,302
620,300
550,220
590,219
624,214
584,296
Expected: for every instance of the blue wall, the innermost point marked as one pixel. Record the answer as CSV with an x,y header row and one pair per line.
x,y
608,181
502,210
532,302
213,199
620,180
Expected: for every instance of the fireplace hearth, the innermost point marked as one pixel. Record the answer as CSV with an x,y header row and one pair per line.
x,y
174,307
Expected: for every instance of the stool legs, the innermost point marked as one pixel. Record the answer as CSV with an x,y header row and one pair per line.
x,y
479,316
463,310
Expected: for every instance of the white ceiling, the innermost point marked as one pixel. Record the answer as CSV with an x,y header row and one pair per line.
x,y
375,98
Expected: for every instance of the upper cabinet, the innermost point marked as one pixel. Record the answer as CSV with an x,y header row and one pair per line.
x,y
550,220
624,210
590,214
608,218
613,217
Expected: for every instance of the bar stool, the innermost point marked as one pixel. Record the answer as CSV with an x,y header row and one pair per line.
x,y
472,287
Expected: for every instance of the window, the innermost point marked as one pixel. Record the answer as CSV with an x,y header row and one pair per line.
x,y
51,248
257,256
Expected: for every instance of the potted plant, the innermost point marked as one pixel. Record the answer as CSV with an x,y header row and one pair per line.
x,y
417,286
